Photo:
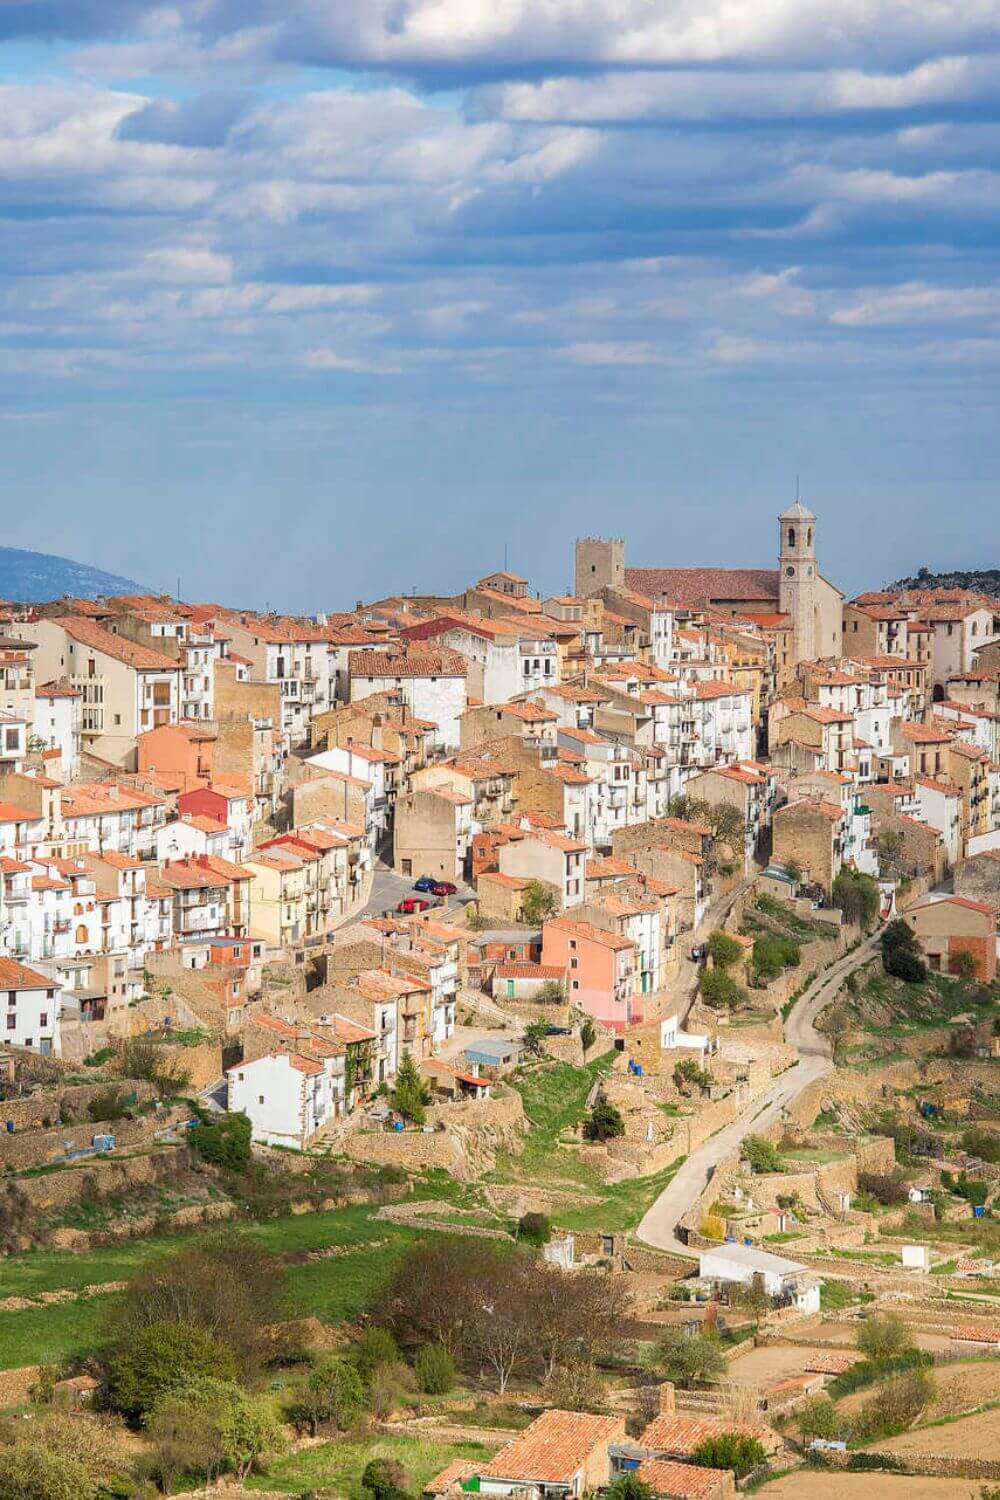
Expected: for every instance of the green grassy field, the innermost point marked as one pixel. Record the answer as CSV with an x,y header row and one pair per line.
x,y
338,1466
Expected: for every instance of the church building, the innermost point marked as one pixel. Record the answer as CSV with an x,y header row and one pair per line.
x,y
794,592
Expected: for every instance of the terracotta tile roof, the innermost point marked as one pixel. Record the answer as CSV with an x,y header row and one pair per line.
x,y
608,868
141,658
680,1481
589,933
452,1474
693,585
506,882
980,906
772,621
407,664
11,813
685,825
971,1333
672,1433
59,687
15,976
924,734
554,1447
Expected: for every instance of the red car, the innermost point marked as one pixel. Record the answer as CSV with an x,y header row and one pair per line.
x,y
444,888
411,904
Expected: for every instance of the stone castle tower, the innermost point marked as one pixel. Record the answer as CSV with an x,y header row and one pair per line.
x,y
600,563
798,580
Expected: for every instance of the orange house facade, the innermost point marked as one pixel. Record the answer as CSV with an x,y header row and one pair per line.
x,y
600,970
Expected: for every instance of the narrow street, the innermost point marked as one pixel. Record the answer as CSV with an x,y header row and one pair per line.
x,y
658,1227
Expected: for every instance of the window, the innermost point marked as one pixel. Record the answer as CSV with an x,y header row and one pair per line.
x,y
11,1023
43,1019
260,1098
118,718
50,994
791,536
576,984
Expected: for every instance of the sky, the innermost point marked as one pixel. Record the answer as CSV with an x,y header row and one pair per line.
x,y
304,302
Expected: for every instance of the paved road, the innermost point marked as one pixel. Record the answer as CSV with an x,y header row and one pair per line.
x,y
388,889
659,1225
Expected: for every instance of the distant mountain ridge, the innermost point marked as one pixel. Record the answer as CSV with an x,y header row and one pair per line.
x,y
37,577
979,580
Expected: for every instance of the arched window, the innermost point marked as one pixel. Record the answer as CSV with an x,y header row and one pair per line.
x,y
82,933
78,909
791,536
809,537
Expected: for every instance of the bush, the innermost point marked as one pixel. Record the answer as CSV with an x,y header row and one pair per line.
x,y
140,1058
576,1386
724,950
688,1071
538,902
435,1370
331,1392
688,1359
157,1360
534,1229
762,1155
901,953
384,1479
720,991
818,1418
772,954
974,1191
28,1472
628,1486
536,1034
588,1034
61,1458
731,1450
552,992
375,1347
894,1405
223,1140
109,1104
604,1123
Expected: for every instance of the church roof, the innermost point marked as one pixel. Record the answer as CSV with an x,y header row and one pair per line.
x,y
796,512
693,585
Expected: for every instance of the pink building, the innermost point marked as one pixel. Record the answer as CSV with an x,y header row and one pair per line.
x,y
599,968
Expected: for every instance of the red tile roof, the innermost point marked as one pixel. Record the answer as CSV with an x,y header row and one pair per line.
x,y
680,1481
555,1447
693,585
142,658
673,1433
15,976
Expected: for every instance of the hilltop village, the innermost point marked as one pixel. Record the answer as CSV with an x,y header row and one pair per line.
x,y
504,1044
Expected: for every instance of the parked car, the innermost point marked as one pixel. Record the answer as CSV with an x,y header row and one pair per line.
x,y
444,888
426,883
411,904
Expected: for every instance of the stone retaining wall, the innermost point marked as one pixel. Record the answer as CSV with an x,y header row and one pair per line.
x,y
35,1147
65,1102
106,1175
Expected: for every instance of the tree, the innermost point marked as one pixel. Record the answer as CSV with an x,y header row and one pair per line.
x,y
888,1188
604,1123
437,1292
157,1360
629,1486
838,1028
384,1479
688,1359
224,1284
410,1094
588,1034
761,1154
793,870
61,1458
772,953
29,1472
724,950
538,902
901,953
331,1392
720,991
535,1036
731,1450
687,1071
223,1139
883,1338
857,896
982,1143
140,1058
818,1418
578,1318
435,1370
186,1438
963,965
375,1346
889,844
552,992
534,1229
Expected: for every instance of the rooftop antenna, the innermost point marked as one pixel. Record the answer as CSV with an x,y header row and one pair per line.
x,y
505,557
796,487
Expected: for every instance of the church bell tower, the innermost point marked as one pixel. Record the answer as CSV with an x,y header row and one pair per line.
x,y
797,587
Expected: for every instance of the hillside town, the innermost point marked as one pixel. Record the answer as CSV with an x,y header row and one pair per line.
x,y
616,969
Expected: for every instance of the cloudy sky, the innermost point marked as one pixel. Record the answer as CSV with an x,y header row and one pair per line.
x,y
310,300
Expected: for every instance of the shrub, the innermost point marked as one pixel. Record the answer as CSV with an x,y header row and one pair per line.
x,y
894,1405
974,1192
688,1359
576,1386
28,1472
762,1155
376,1346
435,1370
331,1392
604,1122
857,896
384,1479
160,1066
818,1418
588,1034
534,1229
772,954
536,1034
720,991
629,1486
61,1458
551,992
731,1450
386,1388
223,1140
724,950
108,1104
157,1360
713,1227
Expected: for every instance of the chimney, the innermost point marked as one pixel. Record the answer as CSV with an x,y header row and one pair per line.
x,y
667,1402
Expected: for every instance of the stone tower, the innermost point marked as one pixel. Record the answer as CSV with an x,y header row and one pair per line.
x,y
600,563
798,582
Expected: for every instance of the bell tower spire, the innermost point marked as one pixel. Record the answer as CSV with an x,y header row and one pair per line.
x,y
797,585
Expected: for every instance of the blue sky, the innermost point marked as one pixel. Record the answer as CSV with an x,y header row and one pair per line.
x,y
307,302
